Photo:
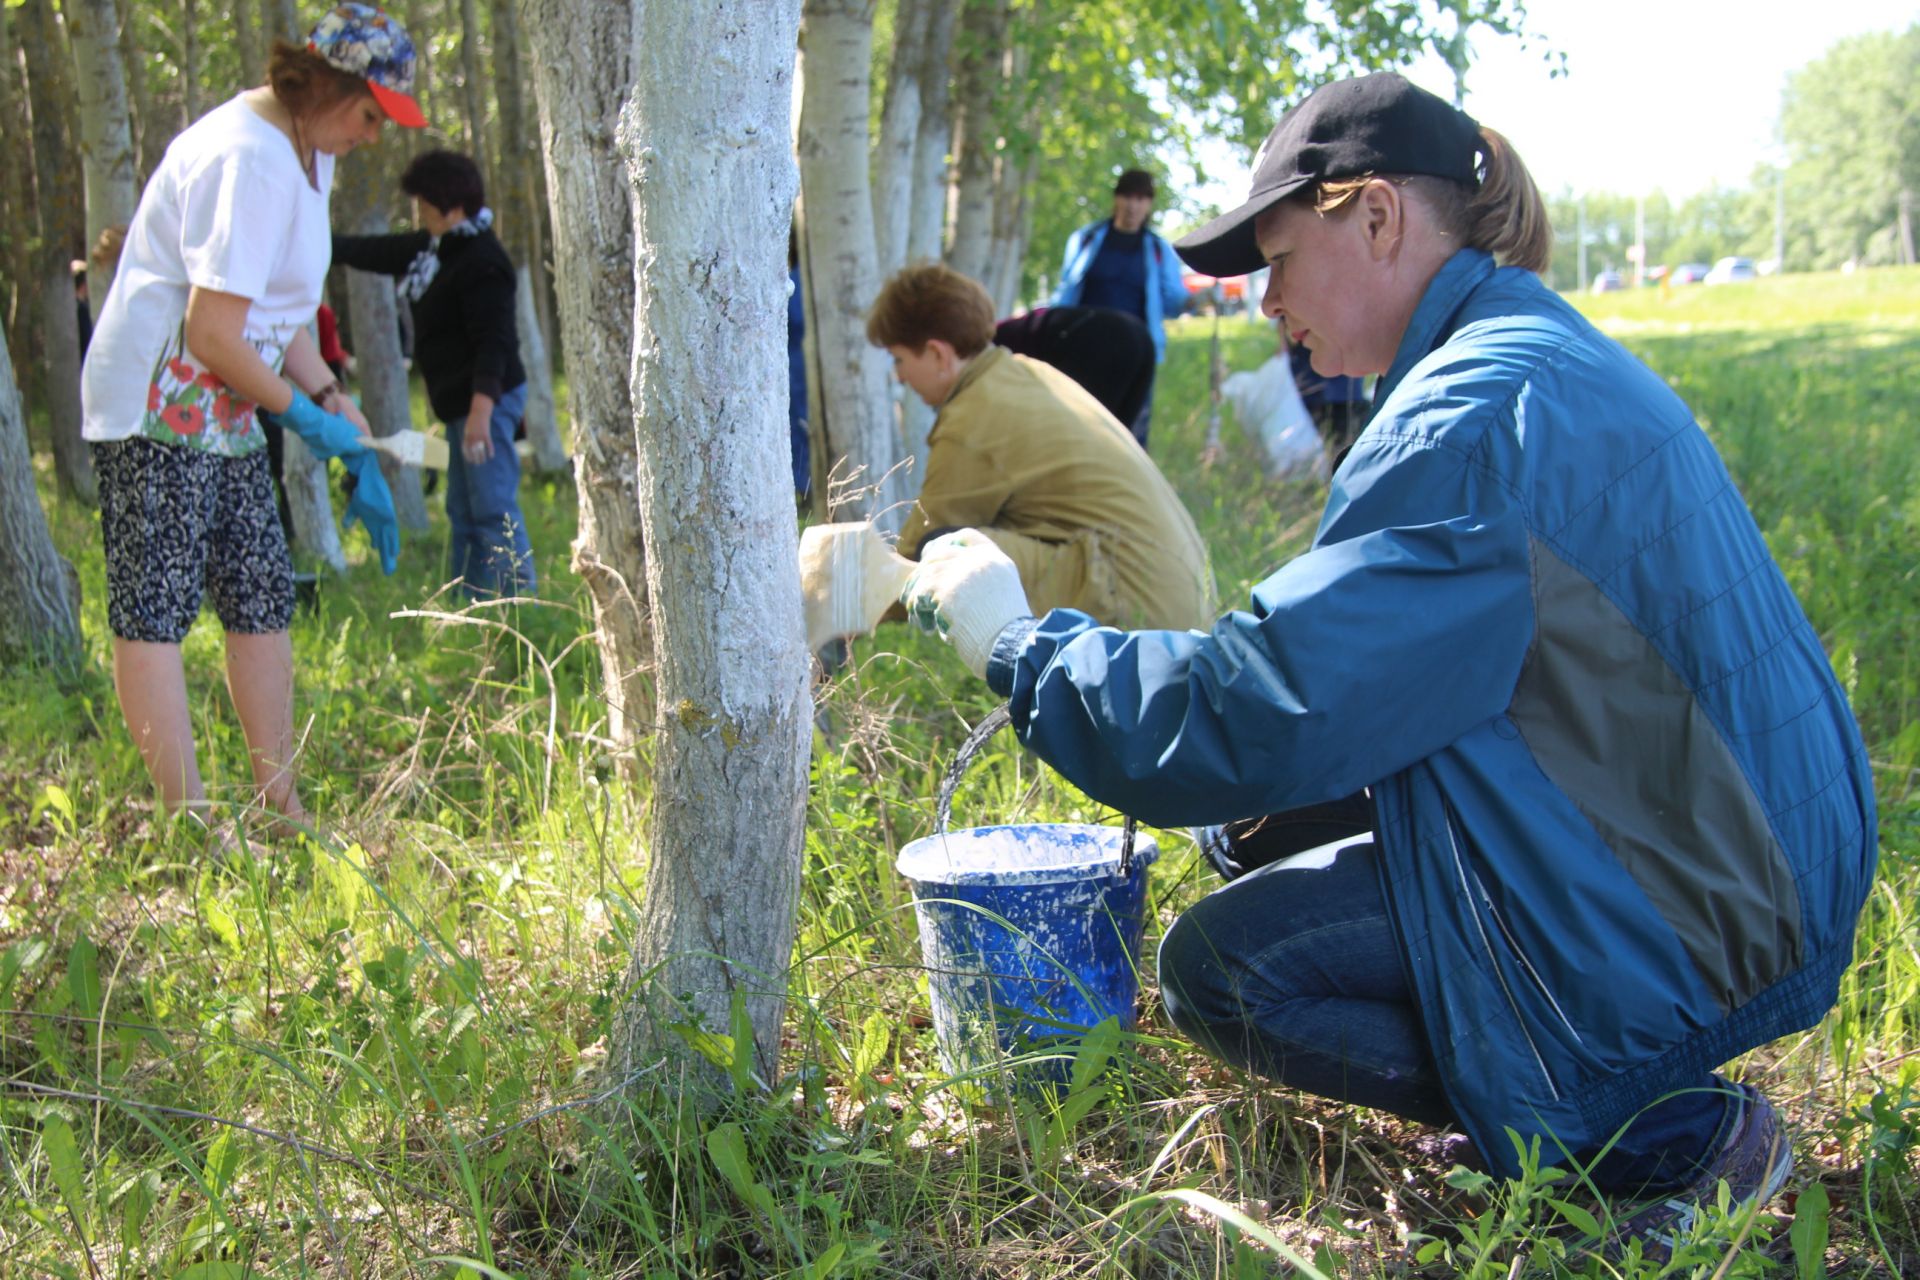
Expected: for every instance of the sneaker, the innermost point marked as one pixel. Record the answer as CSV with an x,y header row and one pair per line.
x,y
1754,1163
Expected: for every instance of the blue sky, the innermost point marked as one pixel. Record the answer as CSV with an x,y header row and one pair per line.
x,y
1673,95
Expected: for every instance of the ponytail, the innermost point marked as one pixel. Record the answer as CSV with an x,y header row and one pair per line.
x,y
1506,216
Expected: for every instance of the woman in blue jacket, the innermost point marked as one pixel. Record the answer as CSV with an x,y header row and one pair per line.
x,y
1610,818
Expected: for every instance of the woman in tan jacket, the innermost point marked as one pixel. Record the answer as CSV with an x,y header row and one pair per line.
x,y
1023,453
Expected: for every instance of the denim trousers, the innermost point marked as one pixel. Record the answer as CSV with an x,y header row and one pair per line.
x,y
1293,971
488,550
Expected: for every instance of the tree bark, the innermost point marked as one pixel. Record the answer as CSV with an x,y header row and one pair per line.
x,y
246,43
147,130
39,591
582,66
189,62
518,202
311,503
929,195
983,41
16,206
1012,224
106,129
62,225
471,96
861,438
713,179
279,20
893,152
543,423
364,183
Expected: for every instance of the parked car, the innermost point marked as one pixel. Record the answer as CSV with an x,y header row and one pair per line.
x,y
1729,270
1689,273
1608,282
1233,290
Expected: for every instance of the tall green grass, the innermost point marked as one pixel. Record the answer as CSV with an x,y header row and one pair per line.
x,y
380,1053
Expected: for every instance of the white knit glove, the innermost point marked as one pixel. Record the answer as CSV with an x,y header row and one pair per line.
x,y
966,590
849,577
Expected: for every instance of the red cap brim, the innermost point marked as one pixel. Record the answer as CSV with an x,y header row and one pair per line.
x,y
400,109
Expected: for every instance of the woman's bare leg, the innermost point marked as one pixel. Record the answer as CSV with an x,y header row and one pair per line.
x,y
260,680
153,699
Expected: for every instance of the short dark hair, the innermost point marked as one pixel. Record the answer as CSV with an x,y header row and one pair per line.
x,y
1134,182
446,180
927,301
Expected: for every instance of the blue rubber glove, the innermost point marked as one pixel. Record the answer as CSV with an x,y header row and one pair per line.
x,y
328,434
372,506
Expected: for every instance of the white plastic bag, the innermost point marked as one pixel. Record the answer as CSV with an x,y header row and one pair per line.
x,y
1270,411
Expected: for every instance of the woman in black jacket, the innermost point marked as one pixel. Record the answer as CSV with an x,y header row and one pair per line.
x,y
460,282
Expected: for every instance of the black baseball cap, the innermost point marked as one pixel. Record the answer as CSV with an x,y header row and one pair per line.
x,y
1381,123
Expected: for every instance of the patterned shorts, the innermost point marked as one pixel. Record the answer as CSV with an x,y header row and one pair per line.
x,y
179,523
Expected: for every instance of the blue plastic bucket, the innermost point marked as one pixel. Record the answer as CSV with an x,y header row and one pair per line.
x,y
1030,935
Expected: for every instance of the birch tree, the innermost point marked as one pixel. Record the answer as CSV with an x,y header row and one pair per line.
x,y
106,128
856,428
983,39
39,591
582,65
713,179
50,95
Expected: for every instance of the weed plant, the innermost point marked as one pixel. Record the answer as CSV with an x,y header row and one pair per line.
x,y
381,1054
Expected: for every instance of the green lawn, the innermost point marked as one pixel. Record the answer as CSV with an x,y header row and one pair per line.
x,y
356,1059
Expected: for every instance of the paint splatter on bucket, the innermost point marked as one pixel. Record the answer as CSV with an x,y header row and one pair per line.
x,y
1030,935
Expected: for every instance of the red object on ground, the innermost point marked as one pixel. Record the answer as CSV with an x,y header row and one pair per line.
x,y
330,349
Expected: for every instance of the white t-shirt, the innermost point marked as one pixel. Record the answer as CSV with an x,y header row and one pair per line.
x,y
228,210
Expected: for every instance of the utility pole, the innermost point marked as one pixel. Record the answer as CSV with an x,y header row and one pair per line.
x,y
1780,219
1580,239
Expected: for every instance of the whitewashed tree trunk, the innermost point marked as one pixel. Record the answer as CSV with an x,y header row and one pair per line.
x,y
928,200
863,445
385,397
304,477
1012,224
983,40
543,424
106,128
582,65
713,179
39,591
894,150
62,218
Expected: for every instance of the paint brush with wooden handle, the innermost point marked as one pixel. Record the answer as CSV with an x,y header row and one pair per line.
x,y
414,449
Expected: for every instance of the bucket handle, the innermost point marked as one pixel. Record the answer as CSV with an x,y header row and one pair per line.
x,y
994,721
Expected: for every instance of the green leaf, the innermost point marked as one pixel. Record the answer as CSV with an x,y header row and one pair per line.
x,y
18,958
137,1198
711,1045
63,1158
83,976
870,1050
212,1271
223,1158
1578,1216
1429,1251
740,1065
826,1264
727,1148
1809,1233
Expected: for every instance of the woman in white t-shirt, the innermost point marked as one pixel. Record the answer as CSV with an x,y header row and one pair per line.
x,y
206,320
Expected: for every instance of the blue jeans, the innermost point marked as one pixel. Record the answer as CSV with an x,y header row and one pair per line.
x,y
1294,972
489,550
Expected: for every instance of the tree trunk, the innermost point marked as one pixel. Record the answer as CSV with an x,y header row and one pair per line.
x,y
246,43
39,591
304,477
147,130
62,225
1012,224
862,444
471,96
543,423
582,66
713,179
893,152
928,198
364,184
929,195
983,42
106,129
16,206
518,202
280,20
189,63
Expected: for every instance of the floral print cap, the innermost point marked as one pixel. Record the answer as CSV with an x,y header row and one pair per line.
x,y
362,41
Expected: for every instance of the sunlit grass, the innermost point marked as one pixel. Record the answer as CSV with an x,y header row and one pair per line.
x,y
409,1016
